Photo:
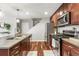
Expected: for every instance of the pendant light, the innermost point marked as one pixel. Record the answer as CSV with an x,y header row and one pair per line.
x,y
17,19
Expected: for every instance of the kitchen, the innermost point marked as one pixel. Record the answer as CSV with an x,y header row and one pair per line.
x,y
55,35
66,27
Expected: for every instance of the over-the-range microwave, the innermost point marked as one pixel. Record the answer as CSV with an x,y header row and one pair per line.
x,y
64,19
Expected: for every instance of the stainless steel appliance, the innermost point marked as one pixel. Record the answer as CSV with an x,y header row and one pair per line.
x,y
49,29
71,33
57,40
57,44
64,19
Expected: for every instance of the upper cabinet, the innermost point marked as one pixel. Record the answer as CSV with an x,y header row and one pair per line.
x,y
73,8
54,19
75,14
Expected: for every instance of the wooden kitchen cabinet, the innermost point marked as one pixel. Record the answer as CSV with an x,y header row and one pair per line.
x,y
75,13
20,48
75,52
73,8
54,20
28,43
65,50
25,45
13,51
69,49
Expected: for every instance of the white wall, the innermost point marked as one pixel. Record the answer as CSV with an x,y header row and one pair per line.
x,y
10,19
68,28
27,24
38,31
25,27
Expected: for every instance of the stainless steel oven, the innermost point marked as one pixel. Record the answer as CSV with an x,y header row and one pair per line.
x,y
57,45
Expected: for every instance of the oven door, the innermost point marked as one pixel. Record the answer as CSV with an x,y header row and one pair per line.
x,y
54,43
56,46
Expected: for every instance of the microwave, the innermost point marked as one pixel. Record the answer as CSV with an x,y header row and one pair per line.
x,y
64,19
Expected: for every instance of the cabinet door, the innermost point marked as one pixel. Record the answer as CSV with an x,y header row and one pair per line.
x,y
24,44
28,43
66,7
65,50
75,52
75,13
23,47
15,50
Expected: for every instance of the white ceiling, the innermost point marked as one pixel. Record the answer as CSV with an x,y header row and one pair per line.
x,y
36,10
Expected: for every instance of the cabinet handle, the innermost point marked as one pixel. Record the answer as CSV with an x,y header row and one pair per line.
x,y
17,52
16,47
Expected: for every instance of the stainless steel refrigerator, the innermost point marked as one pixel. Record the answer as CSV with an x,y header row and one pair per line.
x,y
49,29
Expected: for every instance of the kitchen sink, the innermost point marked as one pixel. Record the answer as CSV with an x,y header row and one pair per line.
x,y
17,38
11,38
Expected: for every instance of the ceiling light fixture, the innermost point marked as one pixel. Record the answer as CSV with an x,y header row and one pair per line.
x,y
1,13
27,13
45,13
17,20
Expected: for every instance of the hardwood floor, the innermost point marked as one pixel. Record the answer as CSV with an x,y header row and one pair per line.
x,y
39,47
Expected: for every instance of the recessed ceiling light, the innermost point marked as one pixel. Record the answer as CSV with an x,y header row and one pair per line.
x,y
18,9
27,13
1,13
45,13
18,20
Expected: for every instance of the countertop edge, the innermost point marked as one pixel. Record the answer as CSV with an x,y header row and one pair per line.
x,y
66,39
15,43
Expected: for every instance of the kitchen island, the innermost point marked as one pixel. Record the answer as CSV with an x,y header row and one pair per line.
x,y
16,47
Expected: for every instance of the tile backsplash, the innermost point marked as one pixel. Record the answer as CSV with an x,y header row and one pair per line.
x,y
60,29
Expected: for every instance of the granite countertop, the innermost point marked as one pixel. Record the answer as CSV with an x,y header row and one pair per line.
x,y
72,41
9,43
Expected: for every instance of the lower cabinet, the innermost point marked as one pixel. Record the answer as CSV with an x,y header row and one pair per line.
x,y
65,50
25,46
75,52
19,49
13,51
69,49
